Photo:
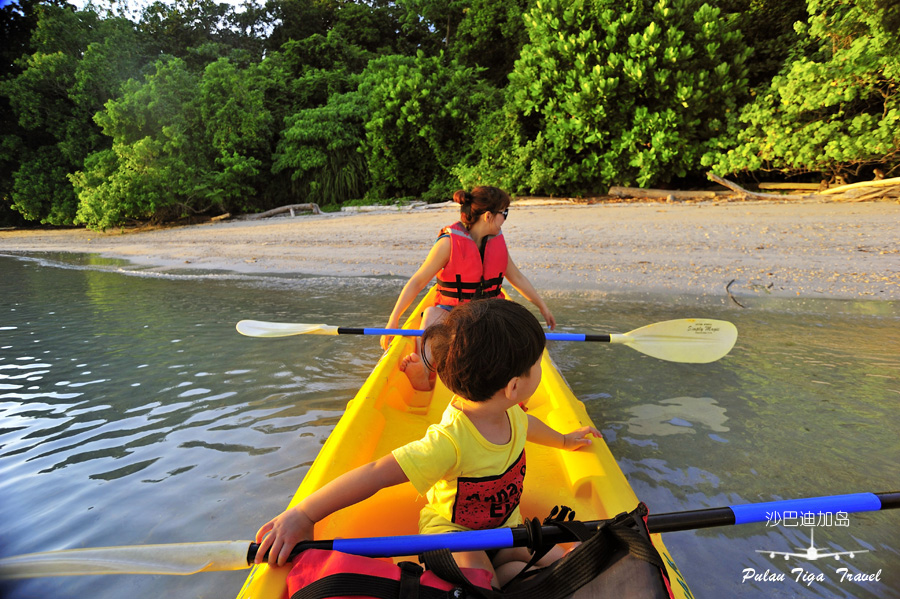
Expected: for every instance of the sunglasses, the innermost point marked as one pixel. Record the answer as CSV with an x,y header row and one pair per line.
x,y
505,213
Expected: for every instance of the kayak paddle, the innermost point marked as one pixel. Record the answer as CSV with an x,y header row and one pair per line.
x,y
191,558
688,340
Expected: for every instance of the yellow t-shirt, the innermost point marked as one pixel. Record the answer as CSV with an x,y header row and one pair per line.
x,y
470,483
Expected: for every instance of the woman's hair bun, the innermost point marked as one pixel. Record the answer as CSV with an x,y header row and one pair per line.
x,y
462,197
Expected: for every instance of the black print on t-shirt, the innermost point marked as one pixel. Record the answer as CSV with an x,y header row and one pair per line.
x,y
487,502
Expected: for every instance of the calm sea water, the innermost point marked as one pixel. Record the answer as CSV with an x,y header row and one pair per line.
x,y
131,412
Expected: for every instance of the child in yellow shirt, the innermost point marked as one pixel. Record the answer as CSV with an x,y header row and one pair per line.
x,y
471,466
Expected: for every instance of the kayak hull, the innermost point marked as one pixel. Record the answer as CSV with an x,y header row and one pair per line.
x,y
387,413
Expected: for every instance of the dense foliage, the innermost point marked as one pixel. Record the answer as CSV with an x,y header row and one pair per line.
x,y
615,92
197,107
835,106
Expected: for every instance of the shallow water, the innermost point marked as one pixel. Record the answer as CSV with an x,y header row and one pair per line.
x,y
131,412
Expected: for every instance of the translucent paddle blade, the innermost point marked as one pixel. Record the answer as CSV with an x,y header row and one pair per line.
x,y
180,558
259,328
689,340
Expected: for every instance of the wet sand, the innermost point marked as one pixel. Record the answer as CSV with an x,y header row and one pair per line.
x,y
807,249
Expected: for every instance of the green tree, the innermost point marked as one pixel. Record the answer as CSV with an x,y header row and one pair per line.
x,y
609,93
320,149
768,28
182,27
439,19
182,143
41,191
304,75
374,27
423,115
299,19
77,62
485,34
490,36
834,109
17,23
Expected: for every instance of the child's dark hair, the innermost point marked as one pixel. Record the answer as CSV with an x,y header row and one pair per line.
x,y
480,200
483,345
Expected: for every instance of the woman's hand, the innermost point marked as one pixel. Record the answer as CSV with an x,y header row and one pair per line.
x,y
393,323
548,317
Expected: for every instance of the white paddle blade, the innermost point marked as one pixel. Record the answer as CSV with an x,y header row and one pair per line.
x,y
259,328
178,558
689,340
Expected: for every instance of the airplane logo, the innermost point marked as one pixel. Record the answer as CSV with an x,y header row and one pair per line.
x,y
812,552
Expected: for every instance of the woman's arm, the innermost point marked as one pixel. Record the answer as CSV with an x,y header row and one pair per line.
x,y
521,284
279,535
436,260
540,433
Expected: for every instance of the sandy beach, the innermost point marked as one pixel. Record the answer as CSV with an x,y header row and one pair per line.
x,y
806,249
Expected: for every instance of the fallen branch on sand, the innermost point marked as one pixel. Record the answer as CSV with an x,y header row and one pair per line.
x,y
854,192
892,182
292,208
662,194
752,195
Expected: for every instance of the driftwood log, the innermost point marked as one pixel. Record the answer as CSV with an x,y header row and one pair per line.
x,y
292,208
853,192
662,194
793,186
858,191
884,192
752,195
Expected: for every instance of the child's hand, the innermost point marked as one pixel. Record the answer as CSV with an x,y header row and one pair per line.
x,y
578,439
284,531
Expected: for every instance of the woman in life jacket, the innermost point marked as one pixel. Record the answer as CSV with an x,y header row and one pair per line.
x,y
470,261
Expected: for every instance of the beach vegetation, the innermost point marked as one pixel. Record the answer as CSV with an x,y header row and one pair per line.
x,y
834,106
611,93
196,108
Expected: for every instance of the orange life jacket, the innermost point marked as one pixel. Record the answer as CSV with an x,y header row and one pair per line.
x,y
472,272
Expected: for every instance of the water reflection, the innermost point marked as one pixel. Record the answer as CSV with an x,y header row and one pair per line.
x,y
677,416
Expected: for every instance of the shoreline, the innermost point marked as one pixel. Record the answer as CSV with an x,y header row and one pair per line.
x,y
724,249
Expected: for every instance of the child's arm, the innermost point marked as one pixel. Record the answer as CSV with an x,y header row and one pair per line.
x,y
436,260
296,524
540,433
521,284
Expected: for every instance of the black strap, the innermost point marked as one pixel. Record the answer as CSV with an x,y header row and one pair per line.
x,y
409,580
578,568
442,563
561,516
470,295
466,288
638,540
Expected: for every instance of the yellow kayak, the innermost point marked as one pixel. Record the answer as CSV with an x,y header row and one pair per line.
x,y
387,413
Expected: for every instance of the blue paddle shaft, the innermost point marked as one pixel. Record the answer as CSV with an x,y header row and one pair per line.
x,y
474,540
767,511
370,331
418,333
